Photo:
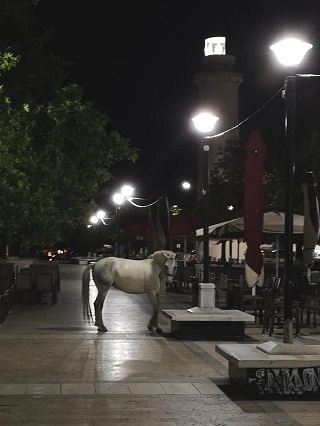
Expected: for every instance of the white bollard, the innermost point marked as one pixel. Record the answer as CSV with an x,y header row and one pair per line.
x,y
207,295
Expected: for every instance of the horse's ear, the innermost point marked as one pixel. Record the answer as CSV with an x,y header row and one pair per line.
x,y
171,254
158,256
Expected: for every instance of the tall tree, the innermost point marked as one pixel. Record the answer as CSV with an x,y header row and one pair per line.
x,y
56,150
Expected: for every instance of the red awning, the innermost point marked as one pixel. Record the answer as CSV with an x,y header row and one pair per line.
x,y
253,206
183,224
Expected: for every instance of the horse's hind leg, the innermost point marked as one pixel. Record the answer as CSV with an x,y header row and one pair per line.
x,y
98,305
155,302
158,328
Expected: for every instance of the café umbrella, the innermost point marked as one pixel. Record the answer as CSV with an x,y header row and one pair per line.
x,y
273,224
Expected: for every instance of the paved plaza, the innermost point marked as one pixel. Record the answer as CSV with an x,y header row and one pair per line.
x,y
55,369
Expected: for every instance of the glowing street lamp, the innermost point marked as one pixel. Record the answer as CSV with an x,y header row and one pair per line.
x,y
94,219
205,123
100,215
125,193
186,185
289,52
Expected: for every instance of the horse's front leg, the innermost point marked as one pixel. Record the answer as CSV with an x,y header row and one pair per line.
x,y
98,305
155,302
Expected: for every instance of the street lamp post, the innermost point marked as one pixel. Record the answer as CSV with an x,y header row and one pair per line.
x,y
204,123
289,52
119,198
206,265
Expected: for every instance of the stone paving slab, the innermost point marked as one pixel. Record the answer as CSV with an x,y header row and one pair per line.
x,y
110,388
55,369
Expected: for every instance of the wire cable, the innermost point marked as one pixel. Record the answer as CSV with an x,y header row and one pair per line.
x,y
246,119
130,199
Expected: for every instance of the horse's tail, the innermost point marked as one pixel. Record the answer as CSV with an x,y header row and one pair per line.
x,y
86,310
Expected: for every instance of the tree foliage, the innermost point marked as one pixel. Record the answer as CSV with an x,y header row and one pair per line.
x,y
56,151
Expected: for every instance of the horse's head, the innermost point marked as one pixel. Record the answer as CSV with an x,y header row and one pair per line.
x,y
170,263
166,259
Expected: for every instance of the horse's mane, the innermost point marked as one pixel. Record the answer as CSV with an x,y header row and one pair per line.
x,y
167,253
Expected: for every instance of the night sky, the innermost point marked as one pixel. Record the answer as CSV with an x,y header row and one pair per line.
x,y
136,62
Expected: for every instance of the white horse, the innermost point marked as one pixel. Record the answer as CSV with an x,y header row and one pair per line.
x,y
147,276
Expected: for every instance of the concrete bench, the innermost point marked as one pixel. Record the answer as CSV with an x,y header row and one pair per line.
x,y
270,368
208,323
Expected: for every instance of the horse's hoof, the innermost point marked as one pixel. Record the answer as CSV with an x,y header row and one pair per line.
x,y
159,330
102,329
150,327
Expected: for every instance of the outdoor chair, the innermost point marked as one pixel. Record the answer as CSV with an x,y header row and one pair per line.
x,y
188,277
176,285
5,301
46,283
273,313
199,272
222,293
311,306
314,282
277,287
251,304
24,286
29,271
7,287
185,279
314,277
48,267
225,290
8,269
3,307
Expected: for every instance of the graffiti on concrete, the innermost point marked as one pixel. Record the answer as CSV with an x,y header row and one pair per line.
x,y
285,381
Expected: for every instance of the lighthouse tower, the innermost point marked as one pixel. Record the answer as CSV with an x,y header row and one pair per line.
x,y
218,86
